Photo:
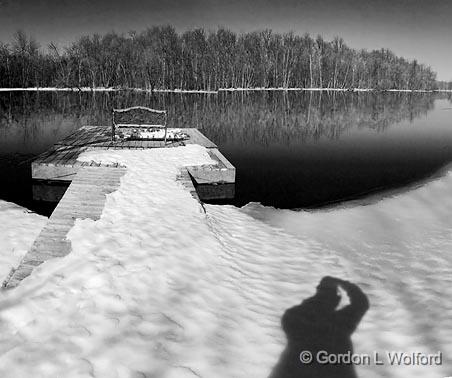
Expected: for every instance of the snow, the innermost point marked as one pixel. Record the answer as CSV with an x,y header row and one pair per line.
x,y
289,89
184,91
159,288
19,228
103,89
57,89
188,91
152,133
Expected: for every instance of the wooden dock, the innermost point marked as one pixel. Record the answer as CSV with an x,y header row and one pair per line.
x,y
90,182
59,164
85,198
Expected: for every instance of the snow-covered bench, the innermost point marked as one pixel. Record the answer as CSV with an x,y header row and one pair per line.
x,y
139,122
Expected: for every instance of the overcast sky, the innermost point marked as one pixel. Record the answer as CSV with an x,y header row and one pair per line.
x,y
420,29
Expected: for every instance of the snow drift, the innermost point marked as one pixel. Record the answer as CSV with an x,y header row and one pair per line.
x,y
159,288
19,228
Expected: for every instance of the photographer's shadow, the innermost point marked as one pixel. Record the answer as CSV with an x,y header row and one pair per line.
x,y
318,329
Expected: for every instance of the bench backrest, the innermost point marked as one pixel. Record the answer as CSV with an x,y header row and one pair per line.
x,y
138,117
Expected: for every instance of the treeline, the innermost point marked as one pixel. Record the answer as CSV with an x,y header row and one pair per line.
x,y
160,58
444,85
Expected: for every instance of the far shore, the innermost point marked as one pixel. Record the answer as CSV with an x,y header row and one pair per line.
x,y
113,89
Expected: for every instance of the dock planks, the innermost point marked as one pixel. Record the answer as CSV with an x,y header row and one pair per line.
x,y
60,162
90,182
85,198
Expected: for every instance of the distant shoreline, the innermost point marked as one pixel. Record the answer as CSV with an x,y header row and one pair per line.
x,y
187,91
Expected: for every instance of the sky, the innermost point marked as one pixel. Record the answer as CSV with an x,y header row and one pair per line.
x,y
420,29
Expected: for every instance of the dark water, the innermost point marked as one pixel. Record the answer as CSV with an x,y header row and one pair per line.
x,y
291,150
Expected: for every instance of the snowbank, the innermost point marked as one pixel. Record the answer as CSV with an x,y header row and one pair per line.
x,y
103,89
189,91
57,89
158,288
19,228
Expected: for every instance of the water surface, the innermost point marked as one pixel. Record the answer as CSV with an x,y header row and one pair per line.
x,y
295,150
291,150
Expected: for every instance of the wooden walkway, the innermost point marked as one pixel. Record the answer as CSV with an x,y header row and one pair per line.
x,y
85,198
90,182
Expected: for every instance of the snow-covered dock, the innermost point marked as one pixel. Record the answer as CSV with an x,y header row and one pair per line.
x,y
91,181
85,198
160,286
59,164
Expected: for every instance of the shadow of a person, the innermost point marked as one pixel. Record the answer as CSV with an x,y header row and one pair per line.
x,y
316,328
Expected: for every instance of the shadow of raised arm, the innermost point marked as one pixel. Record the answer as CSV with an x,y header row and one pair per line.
x,y
350,315
316,327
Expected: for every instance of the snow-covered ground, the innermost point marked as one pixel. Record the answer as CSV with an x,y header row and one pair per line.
x,y
188,91
159,288
19,228
59,89
102,89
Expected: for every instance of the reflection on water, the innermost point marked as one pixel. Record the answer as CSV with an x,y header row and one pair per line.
x,y
291,150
